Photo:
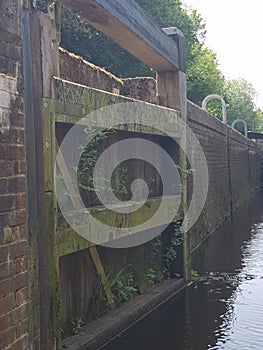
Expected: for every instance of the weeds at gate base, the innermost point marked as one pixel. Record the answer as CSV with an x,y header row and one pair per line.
x,y
121,286
170,252
76,325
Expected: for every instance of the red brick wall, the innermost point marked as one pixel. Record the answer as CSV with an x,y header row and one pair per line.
x,y
233,165
14,302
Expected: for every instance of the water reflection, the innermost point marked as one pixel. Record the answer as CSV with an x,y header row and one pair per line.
x,y
246,329
224,311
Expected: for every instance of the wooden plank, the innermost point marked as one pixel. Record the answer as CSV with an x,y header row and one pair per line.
x,y
49,48
43,320
93,250
125,22
168,89
171,86
176,34
68,241
47,142
100,270
66,175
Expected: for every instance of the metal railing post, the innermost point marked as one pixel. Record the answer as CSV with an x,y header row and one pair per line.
x,y
216,97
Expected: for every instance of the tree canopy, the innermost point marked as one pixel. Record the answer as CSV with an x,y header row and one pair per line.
x,y
240,97
240,100
82,39
203,74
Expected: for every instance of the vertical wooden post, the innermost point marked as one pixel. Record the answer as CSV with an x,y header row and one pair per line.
x,y
171,86
49,38
171,91
37,203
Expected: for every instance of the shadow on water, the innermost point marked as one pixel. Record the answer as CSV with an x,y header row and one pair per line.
x,y
224,310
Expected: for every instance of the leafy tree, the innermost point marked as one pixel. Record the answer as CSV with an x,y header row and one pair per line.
x,y
95,47
42,5
240,96
258,121
204,76
82,39
170,13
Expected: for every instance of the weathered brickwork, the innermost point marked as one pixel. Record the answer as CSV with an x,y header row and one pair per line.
x,y
14,305
239,168
143,89
233,161
75,68
234,170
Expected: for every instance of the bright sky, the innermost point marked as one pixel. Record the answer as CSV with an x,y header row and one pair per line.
x,y
234,32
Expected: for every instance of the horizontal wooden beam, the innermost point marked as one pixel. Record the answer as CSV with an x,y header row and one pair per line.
x,y
126,23
80,101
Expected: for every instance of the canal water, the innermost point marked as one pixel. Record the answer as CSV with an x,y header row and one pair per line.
x,y
223,310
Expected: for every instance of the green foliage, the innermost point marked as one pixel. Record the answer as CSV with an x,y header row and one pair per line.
x,y
170,13
184,172
156,247
121,285
150,275
76,325
240,100
170,252
146,279
119,182
89,158
203,75
156,258
122,178
195,277
42,5
258,121
239,96
83,40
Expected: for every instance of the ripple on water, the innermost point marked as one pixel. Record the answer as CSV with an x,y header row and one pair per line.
x,y
224,311
242,327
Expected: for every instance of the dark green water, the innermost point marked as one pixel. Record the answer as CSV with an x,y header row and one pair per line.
x,y
224,311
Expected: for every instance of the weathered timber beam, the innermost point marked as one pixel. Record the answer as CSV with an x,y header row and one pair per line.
x,y
125,22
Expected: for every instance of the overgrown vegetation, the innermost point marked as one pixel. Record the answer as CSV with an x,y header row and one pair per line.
x,y
195,277
77,324
146,279
121,285
171,250
89,157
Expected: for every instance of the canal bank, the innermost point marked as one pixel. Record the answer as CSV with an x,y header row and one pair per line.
x,y
221,310
105,328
